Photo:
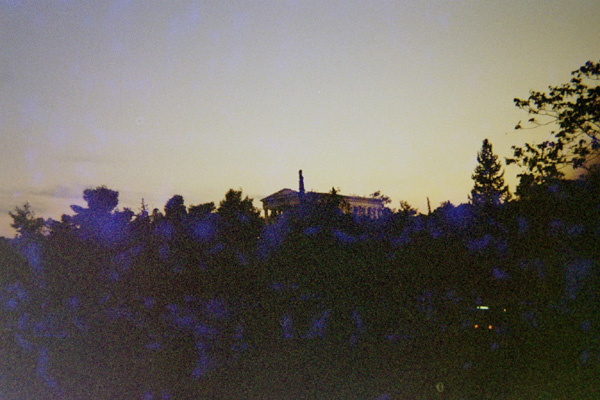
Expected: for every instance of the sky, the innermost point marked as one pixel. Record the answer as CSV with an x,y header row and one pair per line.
x,y
156,98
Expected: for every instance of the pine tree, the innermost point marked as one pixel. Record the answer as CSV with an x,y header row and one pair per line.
x,y
25,221
489,185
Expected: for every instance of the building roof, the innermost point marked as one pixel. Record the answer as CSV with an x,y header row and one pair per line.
x,y
280,195
289,195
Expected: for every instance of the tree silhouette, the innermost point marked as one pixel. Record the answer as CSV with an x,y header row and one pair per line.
x,y
383,198
201,210
240,220
101,202
233,207
175,209
101,199
334,203
25,222
406,209
489,188
575,108
100,220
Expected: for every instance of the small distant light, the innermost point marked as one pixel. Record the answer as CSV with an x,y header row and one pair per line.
x,y
476,326
439,387
489,327
505,310
483,308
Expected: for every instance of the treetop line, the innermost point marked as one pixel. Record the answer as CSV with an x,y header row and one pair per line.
x,y
573,108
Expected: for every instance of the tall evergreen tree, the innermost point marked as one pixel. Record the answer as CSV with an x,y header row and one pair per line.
x,y
489,185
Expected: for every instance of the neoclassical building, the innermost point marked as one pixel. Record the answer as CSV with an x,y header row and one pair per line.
x,y
285,199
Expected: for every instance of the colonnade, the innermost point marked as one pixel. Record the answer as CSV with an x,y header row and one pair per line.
x,y
357,211
371,212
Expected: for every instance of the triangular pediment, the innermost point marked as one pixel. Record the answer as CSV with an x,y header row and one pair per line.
x,y
280,194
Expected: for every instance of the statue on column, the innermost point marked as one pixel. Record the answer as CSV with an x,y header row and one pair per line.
x,y
301,187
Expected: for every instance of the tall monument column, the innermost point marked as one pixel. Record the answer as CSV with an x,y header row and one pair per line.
x,y
301,186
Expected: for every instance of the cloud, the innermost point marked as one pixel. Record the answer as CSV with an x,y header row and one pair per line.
x,y
57,191
11,197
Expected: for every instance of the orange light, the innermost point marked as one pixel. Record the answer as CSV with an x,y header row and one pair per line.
x,y
476,326
490,327
505,310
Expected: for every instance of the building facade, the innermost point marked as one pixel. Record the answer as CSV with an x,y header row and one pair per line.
x,y
285,199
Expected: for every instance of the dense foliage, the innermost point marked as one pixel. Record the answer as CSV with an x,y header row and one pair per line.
x,y
573,111
212,302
